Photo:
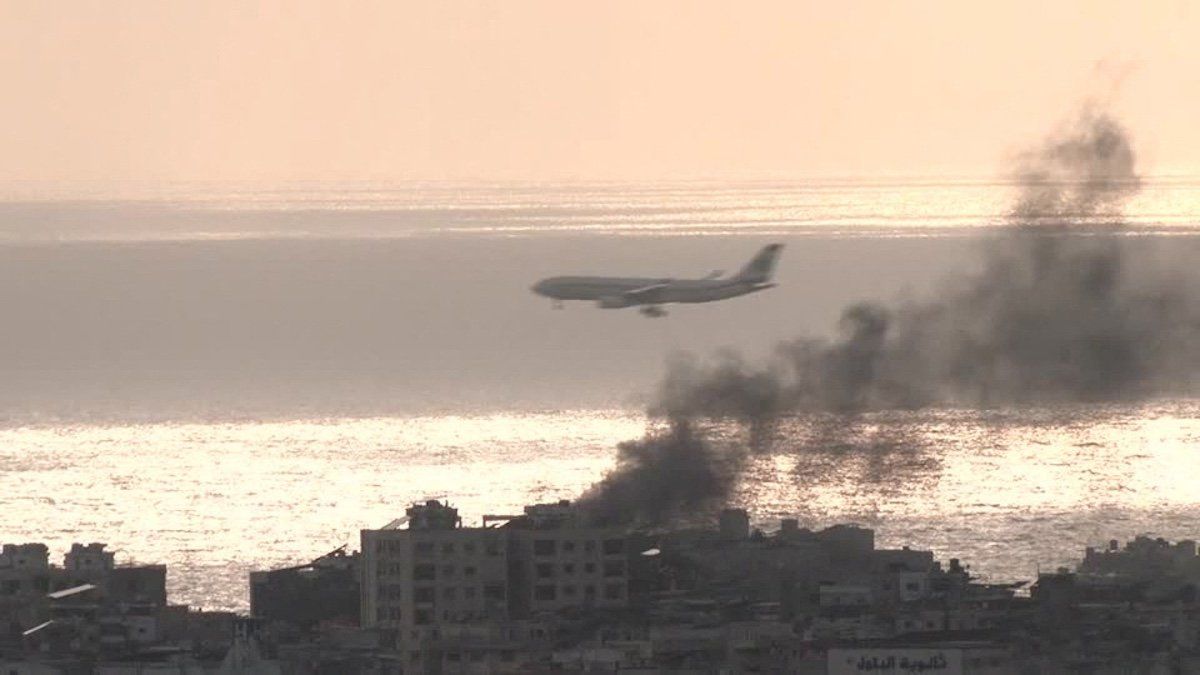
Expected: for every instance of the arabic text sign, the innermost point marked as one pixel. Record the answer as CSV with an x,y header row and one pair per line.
x,y
895,661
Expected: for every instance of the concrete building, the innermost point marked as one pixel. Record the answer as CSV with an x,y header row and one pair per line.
x,y
24,570
24,557
89,559
431,572
1144,558
325,590
439,586
108,605
559,562
734,524
137,585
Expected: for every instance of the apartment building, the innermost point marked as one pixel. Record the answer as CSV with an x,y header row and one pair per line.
x,y
427,569
432,571
561,562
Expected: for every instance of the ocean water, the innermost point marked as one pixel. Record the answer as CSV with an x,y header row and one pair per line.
x,y
847,207
226,379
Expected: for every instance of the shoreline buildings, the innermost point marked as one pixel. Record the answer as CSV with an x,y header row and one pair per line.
x,y
89,611
545,591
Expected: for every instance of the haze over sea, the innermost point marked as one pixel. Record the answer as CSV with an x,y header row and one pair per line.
x,y
229,379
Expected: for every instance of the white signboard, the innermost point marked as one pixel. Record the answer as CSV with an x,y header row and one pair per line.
x,y
895,661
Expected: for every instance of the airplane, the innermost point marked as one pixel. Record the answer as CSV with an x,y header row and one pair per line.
x,y
649,293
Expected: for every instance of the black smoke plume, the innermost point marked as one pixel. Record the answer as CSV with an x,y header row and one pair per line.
x,y
661,476
1058,313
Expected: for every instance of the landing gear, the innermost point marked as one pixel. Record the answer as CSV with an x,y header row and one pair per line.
x,y
557,304
652,311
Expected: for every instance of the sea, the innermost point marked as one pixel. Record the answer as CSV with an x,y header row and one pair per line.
x,y
225,378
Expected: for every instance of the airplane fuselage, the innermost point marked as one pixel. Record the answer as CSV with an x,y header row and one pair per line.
x,y
650,292
614,289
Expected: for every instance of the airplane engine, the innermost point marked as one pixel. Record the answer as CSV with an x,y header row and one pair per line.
x,y
613,302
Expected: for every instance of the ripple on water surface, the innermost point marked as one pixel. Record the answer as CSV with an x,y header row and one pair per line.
x,y
1005,490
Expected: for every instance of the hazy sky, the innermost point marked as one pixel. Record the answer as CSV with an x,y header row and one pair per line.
x,y
552,90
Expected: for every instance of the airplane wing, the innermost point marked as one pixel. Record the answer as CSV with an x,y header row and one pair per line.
x,y
647,295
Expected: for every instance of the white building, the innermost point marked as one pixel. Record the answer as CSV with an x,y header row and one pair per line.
x,y
434,573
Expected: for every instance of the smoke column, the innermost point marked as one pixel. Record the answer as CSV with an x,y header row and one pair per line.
x,y
1055,315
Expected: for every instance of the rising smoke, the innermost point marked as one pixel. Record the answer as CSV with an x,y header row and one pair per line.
x,y
1056,314
659,475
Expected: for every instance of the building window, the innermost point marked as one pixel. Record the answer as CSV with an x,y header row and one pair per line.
x,y
613,591
568,546
469,592
423,594
589,568
569,568
469,547
614,546
424,572
493,548
494,591
423,617
394,613
447,571
545,571
543,547
569,591
544,593
448,548
589,546
448,593
469,571
423,549
614,568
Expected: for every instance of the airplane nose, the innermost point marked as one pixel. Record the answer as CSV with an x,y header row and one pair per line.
x,y
539,287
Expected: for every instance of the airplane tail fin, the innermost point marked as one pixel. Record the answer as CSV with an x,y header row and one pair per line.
x,y
761,266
